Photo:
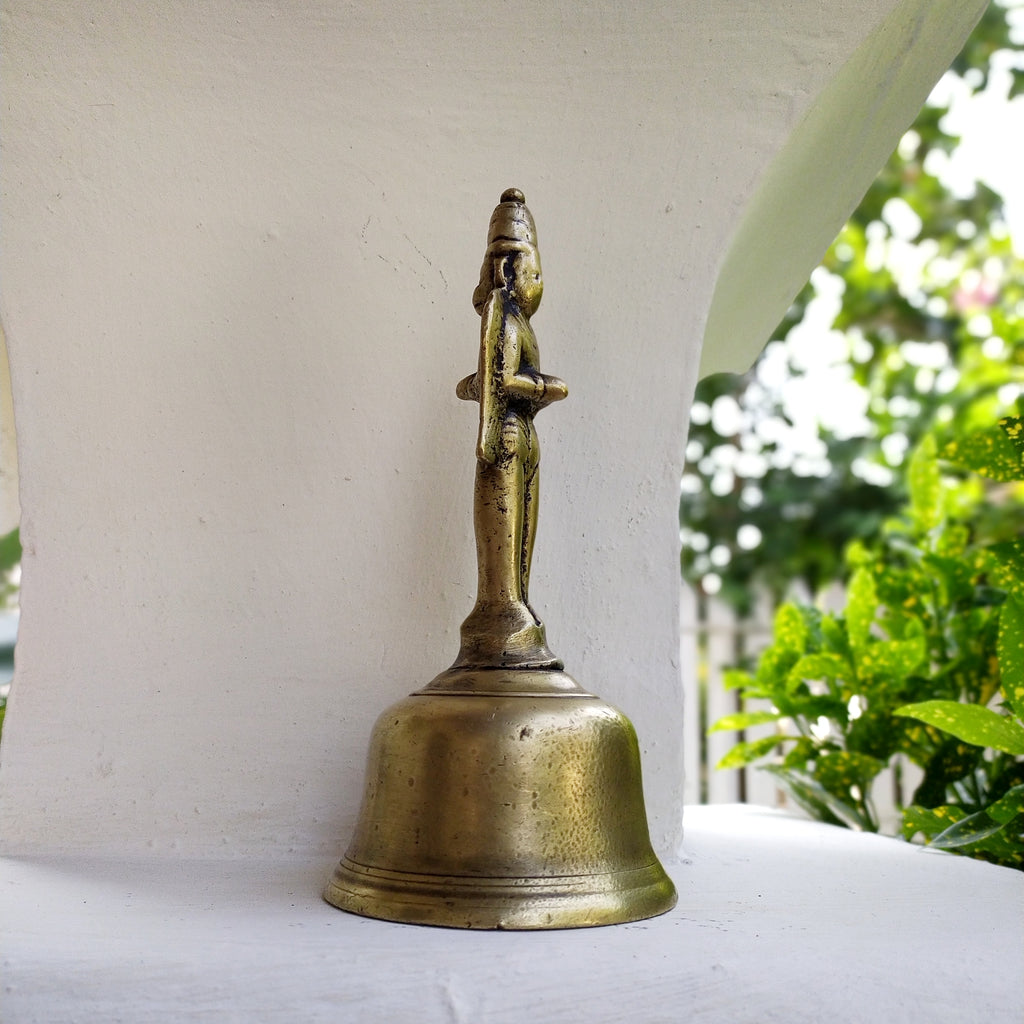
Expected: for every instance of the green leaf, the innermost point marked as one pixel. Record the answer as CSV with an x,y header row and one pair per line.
x,y
861,608
803,750
790,630
1013,428
875,733
953,760
751,750
858,555
10,550
891,661
929,821
773,668
743,720
736,679
968,831
988,452
818,801
820,666
954,574
1004,847
953,541
834,635
809,707
969,722
1008,806
1005,564
840,770
1011,652
925,484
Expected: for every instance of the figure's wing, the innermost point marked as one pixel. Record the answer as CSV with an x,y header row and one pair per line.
x,y
489,379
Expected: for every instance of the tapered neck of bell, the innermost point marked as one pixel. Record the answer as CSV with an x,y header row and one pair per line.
x,y
504,635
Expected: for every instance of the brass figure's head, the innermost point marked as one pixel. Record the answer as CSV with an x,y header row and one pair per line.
x,y
511,262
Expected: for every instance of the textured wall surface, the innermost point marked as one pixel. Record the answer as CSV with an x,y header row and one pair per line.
x,y
240,241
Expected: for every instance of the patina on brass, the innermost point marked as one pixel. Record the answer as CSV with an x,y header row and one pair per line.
x,y
503,794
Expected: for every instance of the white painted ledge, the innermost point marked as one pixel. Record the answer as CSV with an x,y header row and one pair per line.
x,y
778,919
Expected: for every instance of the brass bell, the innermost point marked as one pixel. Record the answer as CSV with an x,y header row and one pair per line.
x,y
503,794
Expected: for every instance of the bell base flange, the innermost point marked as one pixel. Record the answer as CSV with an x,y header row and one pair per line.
x,y
573,901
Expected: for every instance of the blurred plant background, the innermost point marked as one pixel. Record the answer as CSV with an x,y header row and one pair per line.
x,y
10,543
911,325
10,574
820,468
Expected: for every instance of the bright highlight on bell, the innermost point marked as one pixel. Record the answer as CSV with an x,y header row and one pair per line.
x,y
503,794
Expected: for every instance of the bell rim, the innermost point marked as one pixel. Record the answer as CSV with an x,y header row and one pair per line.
x,y
502,903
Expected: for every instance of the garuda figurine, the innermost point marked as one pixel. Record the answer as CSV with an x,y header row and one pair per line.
x,y
503,630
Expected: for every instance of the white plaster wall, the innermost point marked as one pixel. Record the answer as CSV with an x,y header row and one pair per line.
x,y
240,240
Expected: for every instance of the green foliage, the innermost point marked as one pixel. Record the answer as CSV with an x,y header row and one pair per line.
x,y
10,558
992,35
1011,651
990,452
922,298
925,662
982,727
919,304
